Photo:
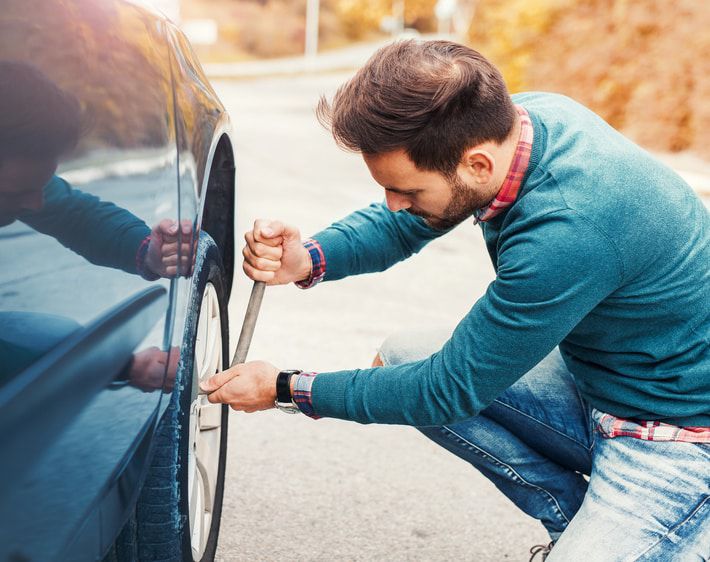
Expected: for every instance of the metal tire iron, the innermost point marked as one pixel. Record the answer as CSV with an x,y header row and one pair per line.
x,y
245,336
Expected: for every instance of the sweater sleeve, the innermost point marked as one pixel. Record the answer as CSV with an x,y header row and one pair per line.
x,y
372,239
100,231
551,273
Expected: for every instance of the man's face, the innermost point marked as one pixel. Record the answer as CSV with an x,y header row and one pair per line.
x,y
440,200
22,181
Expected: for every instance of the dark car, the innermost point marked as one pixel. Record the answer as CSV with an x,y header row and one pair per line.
x,y
116,262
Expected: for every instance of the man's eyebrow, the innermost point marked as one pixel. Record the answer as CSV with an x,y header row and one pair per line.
x,y
398,190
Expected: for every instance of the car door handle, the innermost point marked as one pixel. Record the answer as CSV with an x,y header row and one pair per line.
x,y
41,401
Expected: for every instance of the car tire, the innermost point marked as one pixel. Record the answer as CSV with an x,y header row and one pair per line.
x,y
167,523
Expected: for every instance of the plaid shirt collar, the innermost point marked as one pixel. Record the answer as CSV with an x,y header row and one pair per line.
x,y
514,178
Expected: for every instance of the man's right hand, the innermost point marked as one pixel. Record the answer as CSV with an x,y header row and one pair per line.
x,y
274,253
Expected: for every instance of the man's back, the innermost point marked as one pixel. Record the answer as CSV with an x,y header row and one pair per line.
x,y
646,342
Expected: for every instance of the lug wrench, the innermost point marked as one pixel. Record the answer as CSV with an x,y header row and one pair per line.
x,y
252,313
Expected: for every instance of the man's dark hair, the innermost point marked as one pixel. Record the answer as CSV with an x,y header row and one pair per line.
x,y
434,99
37,118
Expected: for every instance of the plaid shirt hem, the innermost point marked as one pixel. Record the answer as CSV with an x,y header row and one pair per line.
x,y
302,394
141,268
514,178
317,265
610,426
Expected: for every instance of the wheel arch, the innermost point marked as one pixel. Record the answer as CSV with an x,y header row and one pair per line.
x,y
219,203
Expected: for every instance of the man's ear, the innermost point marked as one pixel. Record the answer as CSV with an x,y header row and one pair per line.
x,y
478,165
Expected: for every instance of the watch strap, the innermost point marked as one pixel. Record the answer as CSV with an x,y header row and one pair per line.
x,y
283,386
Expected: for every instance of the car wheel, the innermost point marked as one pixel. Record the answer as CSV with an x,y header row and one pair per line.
x,y
179,509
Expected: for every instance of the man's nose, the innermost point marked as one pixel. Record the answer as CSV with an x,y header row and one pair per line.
x,y
396,201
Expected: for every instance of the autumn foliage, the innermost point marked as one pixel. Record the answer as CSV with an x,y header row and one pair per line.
x,y
641,64
276,28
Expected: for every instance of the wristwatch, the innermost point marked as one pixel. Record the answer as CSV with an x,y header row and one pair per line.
x,y
284,400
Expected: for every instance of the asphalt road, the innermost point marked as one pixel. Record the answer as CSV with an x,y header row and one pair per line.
x,y
300,489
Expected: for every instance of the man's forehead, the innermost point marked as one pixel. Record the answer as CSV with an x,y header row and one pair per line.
x,y
391,168
395,171
394,158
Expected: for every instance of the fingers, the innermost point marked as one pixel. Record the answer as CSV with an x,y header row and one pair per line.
x,y
148,369
222,395
186,226
251,390
268,231
175,251
267,244
165,227
267,277
217,381
262,263
173,260
170,246
262,250
169,227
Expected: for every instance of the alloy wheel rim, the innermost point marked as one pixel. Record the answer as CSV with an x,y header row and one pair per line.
x,y
205,425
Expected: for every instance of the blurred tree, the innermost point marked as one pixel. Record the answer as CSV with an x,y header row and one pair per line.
x,y
419,15
359,18
643,65
507,31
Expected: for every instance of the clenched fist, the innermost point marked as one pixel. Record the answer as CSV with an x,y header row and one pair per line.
x,y
275,254
171,249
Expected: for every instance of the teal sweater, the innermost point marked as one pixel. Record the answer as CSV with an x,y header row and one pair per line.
x,y
605,253
100,231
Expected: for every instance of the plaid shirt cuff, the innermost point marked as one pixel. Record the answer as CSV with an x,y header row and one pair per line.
x,y
302,394
141,268
317,265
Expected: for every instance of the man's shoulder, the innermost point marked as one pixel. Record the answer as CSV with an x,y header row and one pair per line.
x,y
545,100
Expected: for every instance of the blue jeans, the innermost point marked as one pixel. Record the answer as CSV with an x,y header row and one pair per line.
x,y
600,499
26,336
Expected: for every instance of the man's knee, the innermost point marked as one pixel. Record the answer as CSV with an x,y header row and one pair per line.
x,y
410,346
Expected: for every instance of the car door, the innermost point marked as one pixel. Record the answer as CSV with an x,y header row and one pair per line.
x,y
85,314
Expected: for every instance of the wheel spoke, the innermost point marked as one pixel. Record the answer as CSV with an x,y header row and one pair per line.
x,y
209,359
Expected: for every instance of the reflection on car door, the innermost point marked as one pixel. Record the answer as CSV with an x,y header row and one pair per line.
x,y
79,264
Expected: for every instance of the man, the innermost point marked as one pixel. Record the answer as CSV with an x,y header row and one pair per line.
x,y
588,354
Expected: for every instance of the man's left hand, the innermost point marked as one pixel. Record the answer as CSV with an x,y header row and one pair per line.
x,y
248,387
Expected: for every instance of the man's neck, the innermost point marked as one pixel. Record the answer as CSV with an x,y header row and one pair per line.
x,y
503,155
506,153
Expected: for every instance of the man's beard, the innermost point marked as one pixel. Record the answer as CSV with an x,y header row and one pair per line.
x,y
464,202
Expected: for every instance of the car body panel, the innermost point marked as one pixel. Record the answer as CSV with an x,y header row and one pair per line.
x,y
149,160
